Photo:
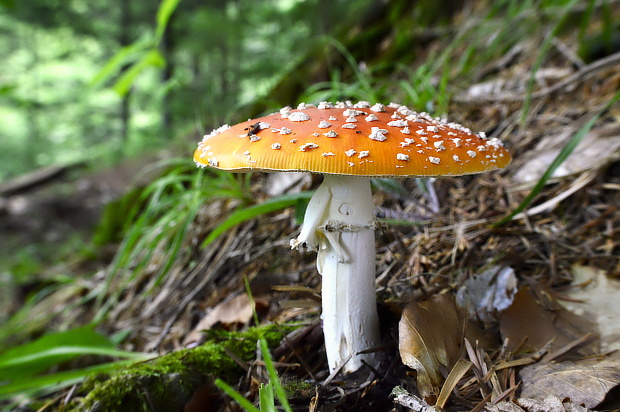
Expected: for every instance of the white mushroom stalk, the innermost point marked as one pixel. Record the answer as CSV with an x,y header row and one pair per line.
x,y
339,224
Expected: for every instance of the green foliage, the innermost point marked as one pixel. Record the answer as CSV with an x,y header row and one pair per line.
x,y
21,365
170,202
246,213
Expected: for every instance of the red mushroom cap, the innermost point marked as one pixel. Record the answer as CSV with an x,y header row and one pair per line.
x,y
346,139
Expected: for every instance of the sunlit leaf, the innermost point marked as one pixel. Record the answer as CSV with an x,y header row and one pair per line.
x,y
55,381
52,349
123,57
152,58
166,8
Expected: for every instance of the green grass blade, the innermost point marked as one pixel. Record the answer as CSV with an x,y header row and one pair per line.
x,y
266,398
166,8
124,56
247,213
560,158
273,376
31,358
55,381
151,58
237,397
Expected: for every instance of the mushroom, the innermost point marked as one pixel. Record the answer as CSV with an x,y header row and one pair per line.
x,y
349,144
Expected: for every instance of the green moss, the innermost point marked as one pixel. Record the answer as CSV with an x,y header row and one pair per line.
x,y
168,382
299,389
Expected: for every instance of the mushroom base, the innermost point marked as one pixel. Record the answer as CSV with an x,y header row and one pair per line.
x,y
339,224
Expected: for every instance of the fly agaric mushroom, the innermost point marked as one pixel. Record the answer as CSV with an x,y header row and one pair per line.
x,y
348,143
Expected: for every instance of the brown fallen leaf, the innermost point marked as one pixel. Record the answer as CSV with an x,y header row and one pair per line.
x,y
584,382
430,340
229,312
542,322
595,296
548,404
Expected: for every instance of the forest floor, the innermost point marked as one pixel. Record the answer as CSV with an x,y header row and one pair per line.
x,y
538,293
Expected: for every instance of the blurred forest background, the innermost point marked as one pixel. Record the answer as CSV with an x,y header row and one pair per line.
x,y
105,222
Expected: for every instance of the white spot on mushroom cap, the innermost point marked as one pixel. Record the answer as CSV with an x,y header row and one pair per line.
x,y
304,147
457,141
332,118
331,133
439,146
298,117
276,146
456,158
350,152
323,124
254,138
213,162
285,130
285,112
328,154
377,107
405,111
402,156
398,123
434,160
363,154
378,134
325,105
349,126
471,153
351,119
352,112
362,104
405,130
371,118
215,132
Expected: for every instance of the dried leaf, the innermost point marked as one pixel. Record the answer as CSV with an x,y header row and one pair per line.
x,y
528,318
430,340
596,149
596,298
236,310
549,404
487,294
585,382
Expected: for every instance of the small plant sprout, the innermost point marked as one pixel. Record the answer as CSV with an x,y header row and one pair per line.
x,y
349,144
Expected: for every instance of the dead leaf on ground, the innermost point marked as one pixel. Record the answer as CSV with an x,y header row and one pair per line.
x,y
488,293
597,149
538,323
548,404
596,297
430,340
229,312
584,382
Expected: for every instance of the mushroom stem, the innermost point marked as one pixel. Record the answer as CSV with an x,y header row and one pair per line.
x,y
339,224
